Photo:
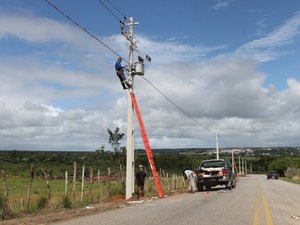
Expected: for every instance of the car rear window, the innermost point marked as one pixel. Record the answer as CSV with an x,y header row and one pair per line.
x,y
213,164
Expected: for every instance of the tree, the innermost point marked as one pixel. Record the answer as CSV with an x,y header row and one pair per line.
x,y
114,138
279,165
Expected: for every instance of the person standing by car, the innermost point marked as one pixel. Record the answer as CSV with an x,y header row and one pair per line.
x,y
191,176
140,181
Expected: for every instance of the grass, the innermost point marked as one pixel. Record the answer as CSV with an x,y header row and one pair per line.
x,y
290,180
5,211
18,189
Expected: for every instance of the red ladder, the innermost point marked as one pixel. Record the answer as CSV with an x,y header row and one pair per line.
x,y
147,146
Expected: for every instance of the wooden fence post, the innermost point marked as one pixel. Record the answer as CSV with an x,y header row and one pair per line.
x,y
173,182
183,183
74,180
22,204
100,188
123,179
5,188
47,182
147,185
91,185
66,184
30,186
168,185
82,184
108,183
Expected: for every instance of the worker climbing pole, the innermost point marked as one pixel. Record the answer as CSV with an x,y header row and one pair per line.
x,y
136,68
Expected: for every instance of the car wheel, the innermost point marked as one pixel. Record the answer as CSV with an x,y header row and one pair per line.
x,y
228,186
200,187
233,184
207,187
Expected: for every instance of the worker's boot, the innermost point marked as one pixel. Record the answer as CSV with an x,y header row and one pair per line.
x,y
124,86
128,85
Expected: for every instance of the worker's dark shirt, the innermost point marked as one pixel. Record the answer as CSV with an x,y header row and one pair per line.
x,y
118,66
140,178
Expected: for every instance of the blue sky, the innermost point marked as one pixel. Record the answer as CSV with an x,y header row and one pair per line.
x,y
233,65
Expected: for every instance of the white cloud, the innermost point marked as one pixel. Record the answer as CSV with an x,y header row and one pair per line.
x,y
173,51
45,30
275,44
221,4
227,96
50,105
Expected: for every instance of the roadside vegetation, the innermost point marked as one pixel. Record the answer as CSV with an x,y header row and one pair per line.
x,y
35,181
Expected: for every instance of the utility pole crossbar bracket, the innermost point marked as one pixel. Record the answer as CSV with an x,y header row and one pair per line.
x,y
147,146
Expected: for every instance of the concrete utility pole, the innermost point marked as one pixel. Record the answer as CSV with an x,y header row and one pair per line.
x,y
130,123
217,145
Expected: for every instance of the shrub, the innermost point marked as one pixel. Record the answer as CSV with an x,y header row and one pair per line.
x,y
66,203
42,202
117,189
5,211
293,173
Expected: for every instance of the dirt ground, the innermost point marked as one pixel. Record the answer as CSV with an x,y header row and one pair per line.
x,y
45,217
49,217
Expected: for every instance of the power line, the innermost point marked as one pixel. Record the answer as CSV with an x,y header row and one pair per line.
x,y
178,107
225,144
85,30
117,8
102,3
114,5
105,45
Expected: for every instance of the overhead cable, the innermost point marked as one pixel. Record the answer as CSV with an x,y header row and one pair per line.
x,y
85,30
118,8
225,144
178,107
165,96
114,15
113,51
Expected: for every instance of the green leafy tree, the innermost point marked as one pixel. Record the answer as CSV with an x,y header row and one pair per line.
x,y
279,165
115,138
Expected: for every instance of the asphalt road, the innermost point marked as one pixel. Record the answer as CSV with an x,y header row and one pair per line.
x,y
255,201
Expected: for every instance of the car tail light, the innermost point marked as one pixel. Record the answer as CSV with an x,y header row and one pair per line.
x,y
224,172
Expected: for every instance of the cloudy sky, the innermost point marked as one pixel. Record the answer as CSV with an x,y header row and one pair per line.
x,y
232,66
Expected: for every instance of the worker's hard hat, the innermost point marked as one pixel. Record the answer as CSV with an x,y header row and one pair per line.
x,y
141,166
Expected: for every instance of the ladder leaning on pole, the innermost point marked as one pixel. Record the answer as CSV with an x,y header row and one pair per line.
x,y
147,146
